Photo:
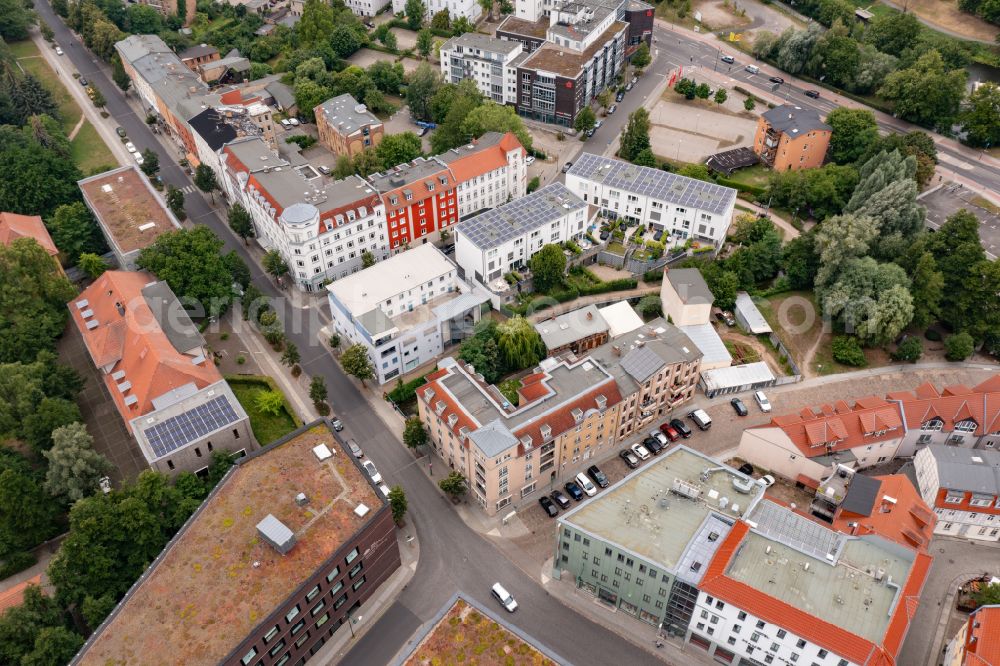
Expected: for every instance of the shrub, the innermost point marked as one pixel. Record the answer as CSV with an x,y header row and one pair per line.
x,y
16,563
959,347
334,340
653,276
910,349
933,335
406,392
847,350
241,359
322,408
533,184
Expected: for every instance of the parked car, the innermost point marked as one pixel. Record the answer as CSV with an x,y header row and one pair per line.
x,y
355,449
701,419
753,69
670,432
620,96
776,79
138,158
605,235
652,445
574,490
83,82
337,424
767,480
59,50
659,437
585,484
746,468
504,597
384,489
812,93
567,167
762,401
120,131
325,170
681,428
530,159
641,452
629,458
590,132
598,476
599,124
628,86
130,147
294,122
635,80
560,499
658,235
549,507
286,123
726,317
728,59
612,109
739,407
372,472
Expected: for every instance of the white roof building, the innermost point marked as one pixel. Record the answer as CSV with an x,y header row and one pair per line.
x,y
736,379
621,318
748,316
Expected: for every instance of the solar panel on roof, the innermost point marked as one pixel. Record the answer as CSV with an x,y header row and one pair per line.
x,y
180,430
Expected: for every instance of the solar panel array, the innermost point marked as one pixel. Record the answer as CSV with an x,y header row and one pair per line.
x,y
520,216
661,185
642,363
177,431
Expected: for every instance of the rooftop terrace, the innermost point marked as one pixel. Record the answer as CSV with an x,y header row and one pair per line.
x,y
217,580
657,510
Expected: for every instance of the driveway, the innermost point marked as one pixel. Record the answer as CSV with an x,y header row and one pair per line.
x,y
948,198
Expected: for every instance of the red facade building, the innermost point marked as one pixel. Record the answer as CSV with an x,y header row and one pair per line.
x,y
419,199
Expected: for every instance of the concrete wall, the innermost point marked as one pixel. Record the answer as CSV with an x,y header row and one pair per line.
x,y
680,313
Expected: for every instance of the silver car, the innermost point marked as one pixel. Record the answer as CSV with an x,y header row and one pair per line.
x,y
355,449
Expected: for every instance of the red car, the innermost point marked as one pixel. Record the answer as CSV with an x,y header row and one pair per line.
x,y
669,431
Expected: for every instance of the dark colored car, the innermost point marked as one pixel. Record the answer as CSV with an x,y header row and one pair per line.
x,y
812,93
574,490
549,507
560,499
728,59
681,428
605,235
620,96
598,476
120,131
567,167
653,445
658,235
746,468
629,458
670,432
776,79
83,81
741,409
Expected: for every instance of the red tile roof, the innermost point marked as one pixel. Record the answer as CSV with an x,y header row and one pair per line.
x,y
15,595
908,521
483,161
561,419
840,426
14,226
953,404
822,633
982,640
134,343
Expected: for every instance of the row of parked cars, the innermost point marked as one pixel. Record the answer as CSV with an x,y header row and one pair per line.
x,y
582,486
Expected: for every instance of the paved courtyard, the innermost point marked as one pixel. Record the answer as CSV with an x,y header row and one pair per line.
x,y
948,198
685,132
366,57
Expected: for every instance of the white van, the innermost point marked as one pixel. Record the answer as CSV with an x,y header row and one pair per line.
x,y
762,401
753,69
503,596
586,484
701,419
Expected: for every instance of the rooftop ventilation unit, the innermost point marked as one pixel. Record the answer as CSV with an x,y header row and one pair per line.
x,y
301,499
276,534
322,452
361,510
685,489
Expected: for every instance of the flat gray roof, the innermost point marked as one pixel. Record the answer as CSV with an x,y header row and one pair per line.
x,y
346,114
736,375
660,185
512,220
794,120
972,470
690,286
634,356
571,326
401,175
657,510
747,309
708,341
475,40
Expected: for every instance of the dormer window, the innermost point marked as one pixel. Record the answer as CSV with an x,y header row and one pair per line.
x,y
601,401
428,394
526,440
394,200
443,179
968,425
577,415
430,185
934,424
452,420
440,407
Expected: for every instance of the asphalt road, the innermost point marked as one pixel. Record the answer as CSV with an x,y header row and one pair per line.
x,y
452,556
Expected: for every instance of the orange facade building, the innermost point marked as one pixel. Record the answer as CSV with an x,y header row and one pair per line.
x,y
789,137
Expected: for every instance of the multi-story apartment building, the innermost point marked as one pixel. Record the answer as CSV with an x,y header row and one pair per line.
x,y
129,212
359,7
578,331
954,416
790,137
405,310
347,127
156,368
293,541
975,644
488,61
683,207
686,301
170,8
196,56
419,199
565,415
492,244
470,9
692,547
490,172
963,486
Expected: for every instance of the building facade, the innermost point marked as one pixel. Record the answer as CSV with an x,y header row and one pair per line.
x,y
365,8
347,127
405,310
488,61
322,562
470,9
578,331
170,8
789,137
419,198
975,643
683,207
685,297
156,368
498,241
490,171
963,487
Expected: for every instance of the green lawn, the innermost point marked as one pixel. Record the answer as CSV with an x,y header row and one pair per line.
x,y
614,247
90,152
758,175
266,428
509,390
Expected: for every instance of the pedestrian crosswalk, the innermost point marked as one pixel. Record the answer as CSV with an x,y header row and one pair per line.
x,y
188,189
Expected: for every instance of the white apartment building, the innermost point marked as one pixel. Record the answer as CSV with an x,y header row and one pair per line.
x,y
963,487
489,61
405,310
366,7
490,172
470,9
683,207
492,244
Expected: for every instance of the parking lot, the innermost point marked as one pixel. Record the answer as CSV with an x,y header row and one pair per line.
x,y
948,198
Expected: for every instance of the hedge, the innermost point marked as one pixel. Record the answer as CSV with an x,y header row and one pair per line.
x,y
571,294
406,392
17,562
653,276
755,190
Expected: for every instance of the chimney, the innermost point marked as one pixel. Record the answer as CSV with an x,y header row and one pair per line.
x,y
590,315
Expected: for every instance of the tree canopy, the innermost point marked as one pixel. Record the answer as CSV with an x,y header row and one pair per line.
x,y
74,467
191,262
547,268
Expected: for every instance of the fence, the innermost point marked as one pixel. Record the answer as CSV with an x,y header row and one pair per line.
x,y
787,357
609,259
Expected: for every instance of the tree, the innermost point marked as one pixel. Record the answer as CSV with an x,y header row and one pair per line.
x,y
893,32
927,289
367,162
910,349
191,262
723,284
270,402
800,261
54,645
28,97
854,130
389,41
846,350
15,20
425,81
635,139
492,117
959,347
987,595
926,93
74,467
398,149
37,177
291,357
355,362
794,48
309,95
481,352
143,19
96,609
317,22
981,116
317,390
696,171
641,58
274,264
367,259
397,501
585,120
150,163
461,26
345,40
414,433
749,104
454,485
871,300
487,7
50,414
74,231
240,222
27,514
425,42
415,12
205,180
92,265
721,96
388,77
547,268
702,91
32,301
519,343
441,20
645,158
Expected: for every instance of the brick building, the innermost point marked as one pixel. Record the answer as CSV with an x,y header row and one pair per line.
x,y
419,199
347,127
789,137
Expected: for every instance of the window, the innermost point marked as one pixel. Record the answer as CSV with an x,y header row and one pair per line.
x,y
336,588
269,636
290,615
312,593
760,624
731,640
358,583
822,654
351,556
782,633
719,605
249,656
741,616
737,628
317,608
800,644
278,647
356,570
298,626
323,620
302,639
340,602
333,574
